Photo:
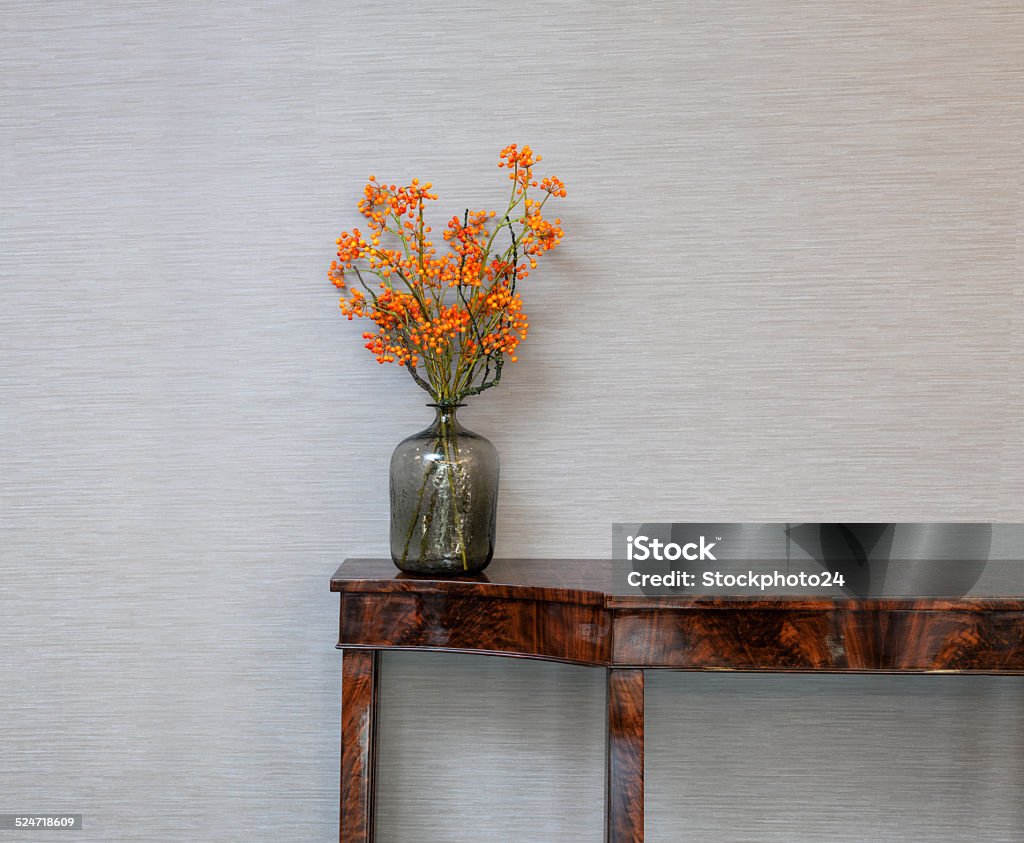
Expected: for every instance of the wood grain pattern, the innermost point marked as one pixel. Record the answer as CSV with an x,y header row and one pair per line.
x,y
358,745
625,799
580,581
821,640
518,612
512,627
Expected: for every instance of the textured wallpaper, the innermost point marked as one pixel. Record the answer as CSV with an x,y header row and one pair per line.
x,y
790,290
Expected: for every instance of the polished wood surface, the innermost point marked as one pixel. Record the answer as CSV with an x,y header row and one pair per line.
x,y
625,797
580,581
837,640
359,674
564,610
565,632
590,581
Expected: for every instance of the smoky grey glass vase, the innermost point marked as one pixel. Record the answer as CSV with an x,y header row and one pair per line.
x,y
444,499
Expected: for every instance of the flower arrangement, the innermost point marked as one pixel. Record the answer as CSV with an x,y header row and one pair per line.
x,y
451,316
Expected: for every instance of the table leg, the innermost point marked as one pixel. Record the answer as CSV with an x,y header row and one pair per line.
x,y
359,672
625,797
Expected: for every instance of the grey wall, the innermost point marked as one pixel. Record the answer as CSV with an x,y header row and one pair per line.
x,y
790,290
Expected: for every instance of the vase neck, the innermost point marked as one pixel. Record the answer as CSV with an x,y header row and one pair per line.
x,y
444,416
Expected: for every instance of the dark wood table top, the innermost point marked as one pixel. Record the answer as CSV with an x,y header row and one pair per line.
x,y
590,582
581,581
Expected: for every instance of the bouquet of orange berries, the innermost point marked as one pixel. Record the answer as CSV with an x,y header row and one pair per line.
x,y
449,315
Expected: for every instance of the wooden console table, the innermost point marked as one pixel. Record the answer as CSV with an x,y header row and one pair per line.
x,y
563,610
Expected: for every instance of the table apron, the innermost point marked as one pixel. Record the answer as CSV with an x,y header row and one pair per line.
x,y
566,632
826,640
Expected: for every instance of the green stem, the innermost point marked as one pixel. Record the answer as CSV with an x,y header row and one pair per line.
x,y
419,507
445,444
428,522
448,436
427,475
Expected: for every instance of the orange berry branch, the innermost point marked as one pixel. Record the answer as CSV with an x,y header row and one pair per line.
x,y
450,317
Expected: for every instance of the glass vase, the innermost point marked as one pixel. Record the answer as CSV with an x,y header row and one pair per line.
x,y
444,499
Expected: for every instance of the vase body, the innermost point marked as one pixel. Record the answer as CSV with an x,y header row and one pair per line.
x,y
444,500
